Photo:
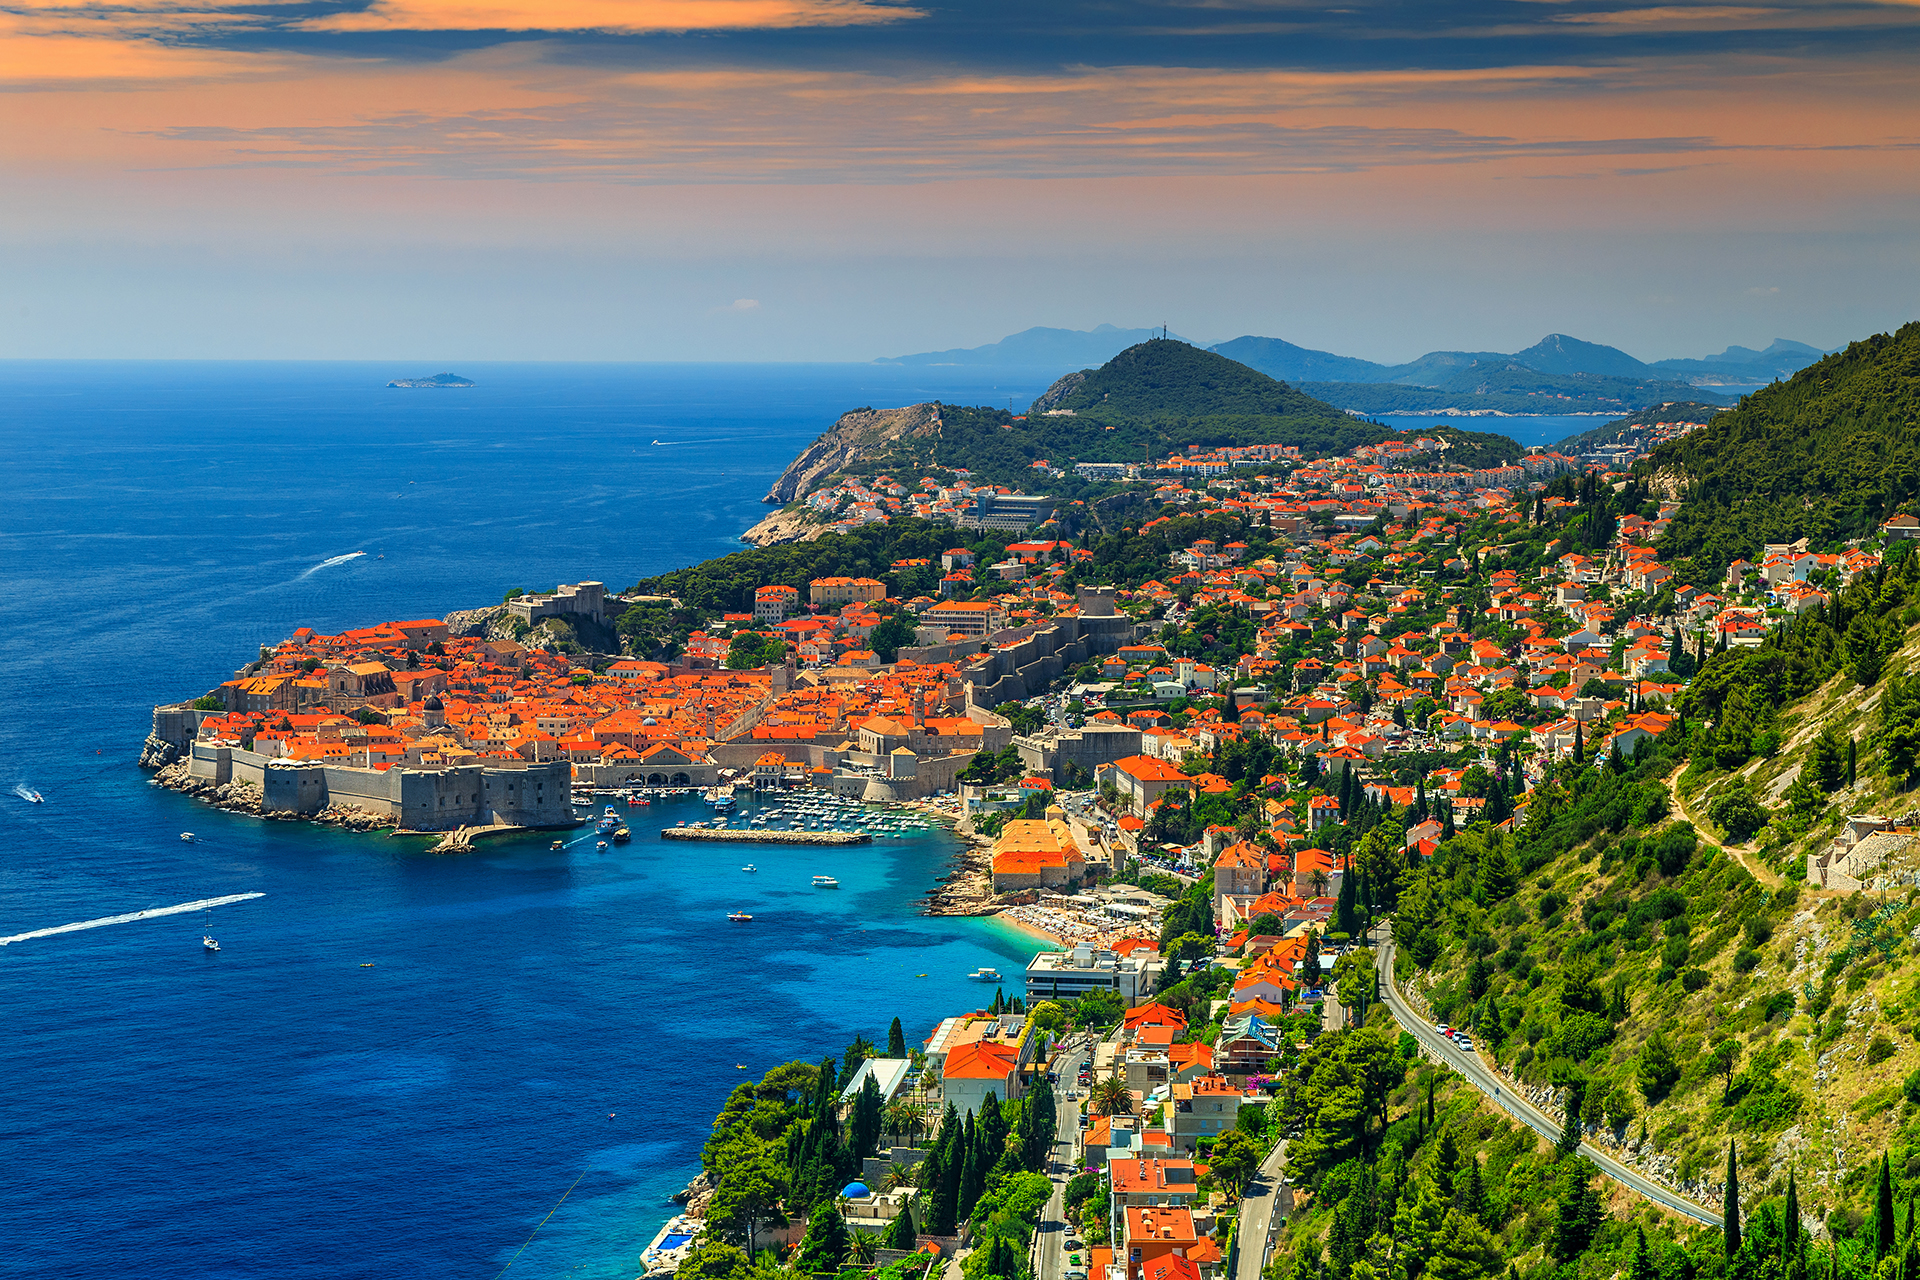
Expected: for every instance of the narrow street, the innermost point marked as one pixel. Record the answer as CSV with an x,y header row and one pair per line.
x,y
1257,1221
1050,1237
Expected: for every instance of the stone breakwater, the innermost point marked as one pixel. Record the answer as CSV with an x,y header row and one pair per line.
x,y
244,797
766,837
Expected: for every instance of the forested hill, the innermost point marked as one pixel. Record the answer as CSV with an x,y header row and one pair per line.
x,y
1162,378
1827,455
1151,400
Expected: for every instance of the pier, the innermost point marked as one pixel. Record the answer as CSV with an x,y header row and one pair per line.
x,y
749,836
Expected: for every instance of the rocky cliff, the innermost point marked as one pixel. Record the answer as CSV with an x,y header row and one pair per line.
x,y
856,435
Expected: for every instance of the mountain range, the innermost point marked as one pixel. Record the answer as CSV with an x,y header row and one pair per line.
x,y
1039,346
1557,375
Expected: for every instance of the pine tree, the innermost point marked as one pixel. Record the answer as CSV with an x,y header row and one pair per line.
x,y
1579,1211
896,1041
1641,1267
1569,1141
1883,1239
1730,1206
825,1245
1444,1161
1473,1197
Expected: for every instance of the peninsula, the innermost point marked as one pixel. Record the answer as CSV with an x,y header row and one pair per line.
x,y
1520,859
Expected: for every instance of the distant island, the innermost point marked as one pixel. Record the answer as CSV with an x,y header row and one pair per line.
x,y
437,380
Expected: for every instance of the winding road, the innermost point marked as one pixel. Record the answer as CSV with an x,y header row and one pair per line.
x,y
1470,1068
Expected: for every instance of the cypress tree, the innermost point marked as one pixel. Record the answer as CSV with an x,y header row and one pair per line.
x,y
1853,747
899,1234
1730,1206
1429,1099
1790,1237
992,1134
1883,1212
896,1041
1579,743
972,1176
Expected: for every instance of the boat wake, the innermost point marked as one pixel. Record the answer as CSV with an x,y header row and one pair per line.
x,y
329,563
151,913
28,794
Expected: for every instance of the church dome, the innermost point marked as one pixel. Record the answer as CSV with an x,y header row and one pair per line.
x,y
433,703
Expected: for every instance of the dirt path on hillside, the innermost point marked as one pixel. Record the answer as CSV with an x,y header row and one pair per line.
x,y
1764,874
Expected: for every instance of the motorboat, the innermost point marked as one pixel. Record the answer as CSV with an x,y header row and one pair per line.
x,y
825,882
557,845
985,975
30,795
187,837
739,917
621,835
749,867
601,846
208,942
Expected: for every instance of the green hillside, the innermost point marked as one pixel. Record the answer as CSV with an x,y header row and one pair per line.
x,y
1827,456
1151,400
1507,387
1620,428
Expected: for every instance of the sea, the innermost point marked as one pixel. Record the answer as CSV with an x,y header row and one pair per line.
x,y
527,1071
397,1063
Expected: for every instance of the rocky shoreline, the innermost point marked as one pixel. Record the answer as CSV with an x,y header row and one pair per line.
x,y
787,525
967,890
244,797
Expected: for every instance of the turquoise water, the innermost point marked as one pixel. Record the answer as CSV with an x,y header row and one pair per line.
x,y
277,1109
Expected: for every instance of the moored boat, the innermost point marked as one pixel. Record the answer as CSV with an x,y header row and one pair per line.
x,y
739,917
825,882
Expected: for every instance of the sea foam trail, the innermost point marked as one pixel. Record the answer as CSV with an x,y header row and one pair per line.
x,y
20,789
329,563
152,913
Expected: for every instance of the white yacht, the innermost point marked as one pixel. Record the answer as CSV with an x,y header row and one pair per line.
x,y
825,882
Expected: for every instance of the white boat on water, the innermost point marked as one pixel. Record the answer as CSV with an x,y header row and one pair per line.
x,y
208,942
985,975
825,882
749,867
187,837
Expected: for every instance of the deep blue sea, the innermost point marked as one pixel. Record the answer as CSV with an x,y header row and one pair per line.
x,y
276,1110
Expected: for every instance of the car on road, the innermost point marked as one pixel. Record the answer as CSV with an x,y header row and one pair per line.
x,y
1074,1243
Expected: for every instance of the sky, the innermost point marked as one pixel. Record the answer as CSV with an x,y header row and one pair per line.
x,y
848,179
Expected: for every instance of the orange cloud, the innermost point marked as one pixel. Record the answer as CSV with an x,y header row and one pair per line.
x,y
626,16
